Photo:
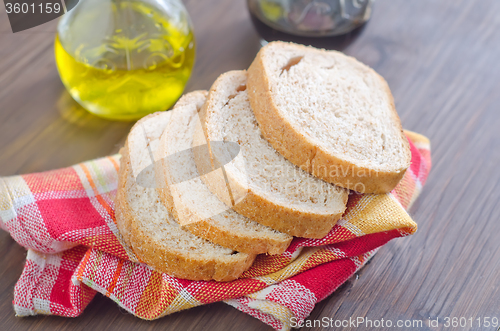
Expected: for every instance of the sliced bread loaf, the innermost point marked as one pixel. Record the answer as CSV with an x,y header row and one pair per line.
x,y
148,227
197,209
330,115
264,186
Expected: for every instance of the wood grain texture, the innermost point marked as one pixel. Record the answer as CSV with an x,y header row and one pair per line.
x,y
440,59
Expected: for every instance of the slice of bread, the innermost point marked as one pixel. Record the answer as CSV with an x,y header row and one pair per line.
x,y
151,231
329,114
189,199
264,186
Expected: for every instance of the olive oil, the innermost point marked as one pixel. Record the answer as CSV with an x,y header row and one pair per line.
x,y
140,67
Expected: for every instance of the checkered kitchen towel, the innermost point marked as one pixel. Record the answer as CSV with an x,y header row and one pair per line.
x,y
65,219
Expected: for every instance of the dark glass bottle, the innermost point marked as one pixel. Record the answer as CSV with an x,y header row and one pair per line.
x,y
330,24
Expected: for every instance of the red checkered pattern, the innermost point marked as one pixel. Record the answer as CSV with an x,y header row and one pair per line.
x,y
65,218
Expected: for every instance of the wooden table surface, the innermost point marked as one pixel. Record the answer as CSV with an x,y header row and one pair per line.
x,y
441,61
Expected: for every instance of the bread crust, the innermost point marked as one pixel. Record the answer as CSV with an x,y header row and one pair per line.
x,y
303,152
206,228
165,259
257,207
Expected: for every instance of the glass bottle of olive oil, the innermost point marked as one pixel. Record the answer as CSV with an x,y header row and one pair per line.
x,y
123,59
